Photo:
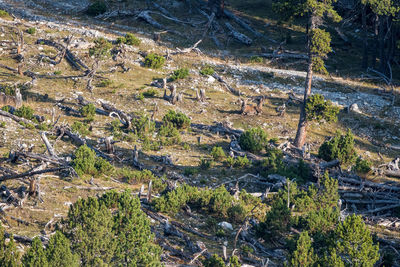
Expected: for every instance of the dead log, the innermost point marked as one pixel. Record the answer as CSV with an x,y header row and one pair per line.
x,y
383,208
16,118
31,173
49,147
369,184
40,157
125,118
109,145
240,37
390,173
95,188
230,89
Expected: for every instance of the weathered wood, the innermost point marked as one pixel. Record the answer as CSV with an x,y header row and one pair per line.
x,y
125,118
230,89
49,147
240,37
369,184
31,173
16,118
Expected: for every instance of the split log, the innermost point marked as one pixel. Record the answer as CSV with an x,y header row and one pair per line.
x,y
392,173
240,37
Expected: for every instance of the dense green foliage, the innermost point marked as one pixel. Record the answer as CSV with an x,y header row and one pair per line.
x,y
362,166
58,252
35,256
207,70
101,48
154,61
121,238
129,39
216,201
218,153
88,111
180,74
303,256
31,30
177,119
9,255
318,109
214,261
80,128
25,112
86,162
340,147
253,140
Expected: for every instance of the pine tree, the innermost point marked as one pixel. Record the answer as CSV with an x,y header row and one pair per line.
x,y
9,256
132,228
318,45
35,256
303,256
58,252
89,228
354,242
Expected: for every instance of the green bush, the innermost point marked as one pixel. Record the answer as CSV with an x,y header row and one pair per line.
x,y
135,176
154,61
3,13
101,48
129,39
214,261
31,30
88,111
218,153
230,161
362,166
80,128
86,162
190,171
142,125
180,74
277,221
57,72
25,112
241,162
169,135
253,140
97,8
318,109
7,89
340,147
304,254
205,164
105,83
177,119
207,71
256,59
150,93
3,124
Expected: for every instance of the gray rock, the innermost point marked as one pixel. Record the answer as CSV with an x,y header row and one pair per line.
x,y
226,226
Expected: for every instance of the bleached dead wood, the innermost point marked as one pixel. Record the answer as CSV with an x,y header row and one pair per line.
x,y
49,147
370,184
125,118
93,188
283,55
16,118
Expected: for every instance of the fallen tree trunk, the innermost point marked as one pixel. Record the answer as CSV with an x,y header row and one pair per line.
x,y
231,89
369,184
31,173
16,118
240,37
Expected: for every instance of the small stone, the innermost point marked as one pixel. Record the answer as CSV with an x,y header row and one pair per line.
x,y
226,226
210,79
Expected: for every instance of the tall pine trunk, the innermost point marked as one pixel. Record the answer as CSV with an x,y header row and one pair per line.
x,y
303,123
365,37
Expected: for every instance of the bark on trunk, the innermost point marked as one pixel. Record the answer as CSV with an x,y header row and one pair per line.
x,y
303,124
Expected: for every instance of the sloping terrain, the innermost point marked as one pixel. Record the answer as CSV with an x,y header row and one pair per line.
x,y
56,89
